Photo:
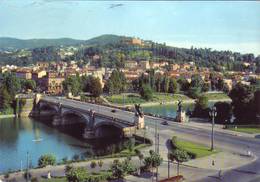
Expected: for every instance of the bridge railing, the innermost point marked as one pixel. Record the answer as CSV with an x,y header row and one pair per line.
x,y
111,118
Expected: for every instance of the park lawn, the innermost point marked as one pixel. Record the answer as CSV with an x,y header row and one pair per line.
x,y
197,149
125,99
133,98
54,180
169,97
249,130
216,96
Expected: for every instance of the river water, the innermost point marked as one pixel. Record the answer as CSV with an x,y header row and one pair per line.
x,y
19,136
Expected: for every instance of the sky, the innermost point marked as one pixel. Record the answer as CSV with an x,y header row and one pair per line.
x,y
232,25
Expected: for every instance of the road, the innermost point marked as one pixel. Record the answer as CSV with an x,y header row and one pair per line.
x,y
224,141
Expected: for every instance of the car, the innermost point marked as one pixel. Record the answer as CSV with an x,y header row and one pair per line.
x,y
113,110
164,123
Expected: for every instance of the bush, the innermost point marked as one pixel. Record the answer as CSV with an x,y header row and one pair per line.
x,y
34,179
100,163
47,159
93,164
78,174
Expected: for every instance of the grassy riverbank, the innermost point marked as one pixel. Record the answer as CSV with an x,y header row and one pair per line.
x,y
216,96
132,98
158,98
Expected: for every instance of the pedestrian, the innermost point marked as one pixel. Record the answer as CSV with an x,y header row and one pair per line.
x,y
49,175
220,174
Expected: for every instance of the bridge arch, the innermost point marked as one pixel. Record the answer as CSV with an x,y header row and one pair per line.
x,y
72,117
108,129
48,109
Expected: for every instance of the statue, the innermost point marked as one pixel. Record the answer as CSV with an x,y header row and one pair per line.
x,y
179,106
138,110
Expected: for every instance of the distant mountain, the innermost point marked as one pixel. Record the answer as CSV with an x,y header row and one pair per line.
x,y
13,43
105,39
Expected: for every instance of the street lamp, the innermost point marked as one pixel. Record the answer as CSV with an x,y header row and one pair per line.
x,y
212,114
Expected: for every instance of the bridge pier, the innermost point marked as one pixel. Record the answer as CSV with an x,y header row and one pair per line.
x,y
89,134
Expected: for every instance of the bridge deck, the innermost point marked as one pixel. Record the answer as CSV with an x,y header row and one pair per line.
x,y
120,115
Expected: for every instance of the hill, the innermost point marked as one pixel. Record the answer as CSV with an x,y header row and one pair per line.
x,y
105,39
13,43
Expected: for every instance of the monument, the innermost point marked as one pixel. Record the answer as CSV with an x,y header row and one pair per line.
x,y
139,116
181,116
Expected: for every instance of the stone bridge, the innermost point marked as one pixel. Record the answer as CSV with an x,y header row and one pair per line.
x,y
99,121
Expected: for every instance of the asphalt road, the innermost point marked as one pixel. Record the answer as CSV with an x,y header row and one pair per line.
x,y
229,142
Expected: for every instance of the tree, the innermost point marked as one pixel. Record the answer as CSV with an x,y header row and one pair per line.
x,y
78,174
146,92
28,84
11,83
5,99
47,159
257,104
152,161
201,107
179,156
173,86
116,83
242,97
95,87
224,112
184,84
72,84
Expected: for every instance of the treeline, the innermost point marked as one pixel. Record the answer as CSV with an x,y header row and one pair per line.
x,y
245,106
78,84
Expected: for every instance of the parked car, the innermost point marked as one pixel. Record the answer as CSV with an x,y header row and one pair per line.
x,y
164,123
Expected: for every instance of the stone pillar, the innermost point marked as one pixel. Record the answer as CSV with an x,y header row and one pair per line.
x,y
181,116
139,121
88,133
57,120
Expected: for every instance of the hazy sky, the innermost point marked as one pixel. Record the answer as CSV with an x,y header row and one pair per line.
x,y
218,25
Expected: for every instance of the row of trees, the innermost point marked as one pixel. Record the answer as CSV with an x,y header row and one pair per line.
x,y
77,84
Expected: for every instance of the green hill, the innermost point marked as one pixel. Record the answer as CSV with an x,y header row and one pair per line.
x,y
105,39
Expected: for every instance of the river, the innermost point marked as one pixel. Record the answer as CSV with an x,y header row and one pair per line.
x,y
37,137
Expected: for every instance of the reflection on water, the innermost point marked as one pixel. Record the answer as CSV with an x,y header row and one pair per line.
x,y
17,136
169,110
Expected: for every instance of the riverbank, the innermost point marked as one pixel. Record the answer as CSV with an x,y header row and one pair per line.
x,y
7,116
129,99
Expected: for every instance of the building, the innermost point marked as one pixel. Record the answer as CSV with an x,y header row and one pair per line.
x,y
52,83
24,74
144,65
130,64
174,67
133,41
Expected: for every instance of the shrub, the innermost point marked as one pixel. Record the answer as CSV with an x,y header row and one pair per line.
x,y
78,174
100,163
93,164
47,159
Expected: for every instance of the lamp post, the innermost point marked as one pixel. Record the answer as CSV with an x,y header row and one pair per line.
x,y
212,114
